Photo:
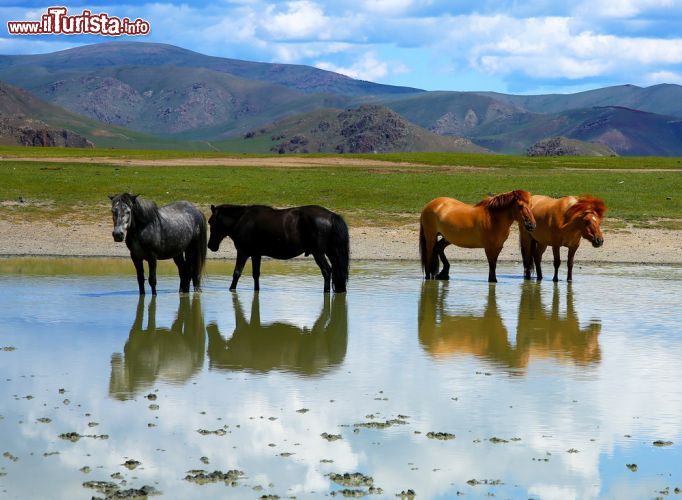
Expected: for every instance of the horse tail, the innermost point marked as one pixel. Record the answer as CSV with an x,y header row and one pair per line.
x,y
422,247
200,252
340,242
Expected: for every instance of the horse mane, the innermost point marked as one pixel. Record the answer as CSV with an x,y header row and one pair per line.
x,y
145,210
586,203
504,200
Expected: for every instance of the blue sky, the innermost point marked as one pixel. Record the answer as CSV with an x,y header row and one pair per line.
x,y
535,46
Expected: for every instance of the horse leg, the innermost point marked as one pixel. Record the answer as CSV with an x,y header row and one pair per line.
x,y
492,254
183,271
238,267
325,269
526,244
152,274
139,268
537,252
569,263
255,264
193,272
440,250
556,250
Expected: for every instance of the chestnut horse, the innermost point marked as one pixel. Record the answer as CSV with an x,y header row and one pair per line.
x,y
561,222
484,225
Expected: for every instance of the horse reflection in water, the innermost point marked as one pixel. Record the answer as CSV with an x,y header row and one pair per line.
x,y
154,353
540,334
259,347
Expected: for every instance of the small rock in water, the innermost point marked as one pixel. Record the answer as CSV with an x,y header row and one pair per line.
x,y
331,437
351,479
203,477
632,467
131,464
70,436
217,432
443,436
660,442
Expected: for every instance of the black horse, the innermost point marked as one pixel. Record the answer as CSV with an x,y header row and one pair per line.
x,y
257,230
176,231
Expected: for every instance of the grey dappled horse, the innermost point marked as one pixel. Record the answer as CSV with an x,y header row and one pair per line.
x,y
176,231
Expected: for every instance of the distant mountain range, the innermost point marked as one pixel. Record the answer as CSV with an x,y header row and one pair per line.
x,y
131,94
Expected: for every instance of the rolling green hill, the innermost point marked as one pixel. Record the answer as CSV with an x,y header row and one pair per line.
x,y
20,109
665,99
186,103
628,132
24,69
563,146
365,129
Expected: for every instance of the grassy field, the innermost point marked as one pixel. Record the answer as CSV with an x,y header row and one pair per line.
x,y
372,195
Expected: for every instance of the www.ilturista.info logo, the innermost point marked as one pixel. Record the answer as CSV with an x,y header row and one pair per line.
x,y
57,21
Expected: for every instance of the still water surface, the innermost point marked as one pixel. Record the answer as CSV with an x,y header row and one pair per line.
x,y
549,390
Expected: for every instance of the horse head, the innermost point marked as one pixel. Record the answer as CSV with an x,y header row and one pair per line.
x,y
121,211
218,231
522,211
588,213
222,220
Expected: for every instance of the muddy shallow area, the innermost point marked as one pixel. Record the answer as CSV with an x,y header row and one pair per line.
x,y
519,389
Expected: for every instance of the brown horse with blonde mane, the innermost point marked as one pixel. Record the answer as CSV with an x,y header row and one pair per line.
x,y
561,222
484,225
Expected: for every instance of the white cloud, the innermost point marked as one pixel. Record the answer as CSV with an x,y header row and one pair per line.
x,y
295,52
302,19
664,77
387,6
620,9
549,48
368,67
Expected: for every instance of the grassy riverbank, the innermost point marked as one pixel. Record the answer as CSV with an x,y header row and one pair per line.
x,y
636,190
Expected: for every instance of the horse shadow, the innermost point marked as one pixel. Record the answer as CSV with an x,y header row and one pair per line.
x,y
541,332
258,347
173,354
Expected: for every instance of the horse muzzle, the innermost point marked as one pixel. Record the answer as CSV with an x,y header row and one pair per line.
x,y
530,227
597,242
118,235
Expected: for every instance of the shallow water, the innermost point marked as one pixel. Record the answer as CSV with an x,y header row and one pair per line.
x,y
574,381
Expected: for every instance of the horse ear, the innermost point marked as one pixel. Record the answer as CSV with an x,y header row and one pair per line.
x,y
212,209
111,197
134,197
